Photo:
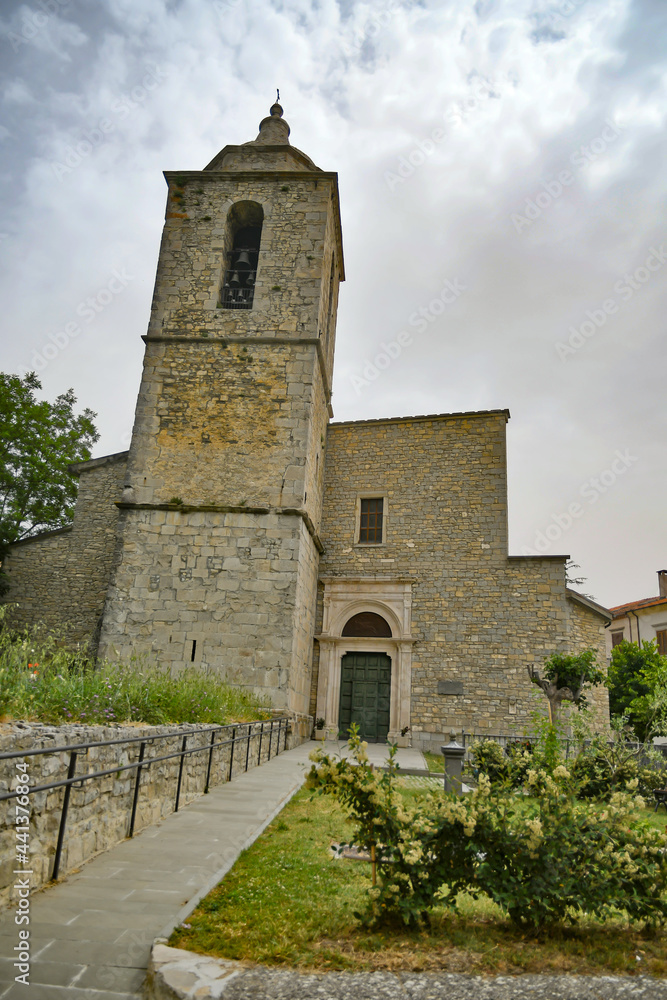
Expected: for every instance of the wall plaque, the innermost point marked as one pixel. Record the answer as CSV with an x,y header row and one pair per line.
x,y
450,687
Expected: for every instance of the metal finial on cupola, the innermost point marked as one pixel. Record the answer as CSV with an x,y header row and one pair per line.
x,y
276,111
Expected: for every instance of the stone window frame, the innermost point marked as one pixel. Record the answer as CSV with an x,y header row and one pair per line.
x,y
370,495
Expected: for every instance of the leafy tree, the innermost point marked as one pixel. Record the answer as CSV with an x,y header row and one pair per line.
x,y
38,442
565,678
638,686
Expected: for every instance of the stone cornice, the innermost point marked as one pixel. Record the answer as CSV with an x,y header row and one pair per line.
x,y
407,640
228,509
371,578
94,463
421,417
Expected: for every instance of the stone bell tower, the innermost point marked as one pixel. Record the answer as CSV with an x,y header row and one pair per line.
x,y
218,544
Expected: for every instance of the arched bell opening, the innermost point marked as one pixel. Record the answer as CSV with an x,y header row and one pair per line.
x,y
244,233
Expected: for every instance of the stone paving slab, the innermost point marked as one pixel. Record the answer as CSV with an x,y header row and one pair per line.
x,y
176,974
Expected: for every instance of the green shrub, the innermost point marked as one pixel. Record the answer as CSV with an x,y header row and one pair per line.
x,y
601,769
544,859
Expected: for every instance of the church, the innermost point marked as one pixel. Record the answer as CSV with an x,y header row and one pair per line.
x,y
353,571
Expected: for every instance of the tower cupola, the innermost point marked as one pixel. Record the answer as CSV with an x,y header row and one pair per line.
x,y
274,129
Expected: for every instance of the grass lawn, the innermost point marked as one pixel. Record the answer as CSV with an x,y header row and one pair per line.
x,y
286,902
435,762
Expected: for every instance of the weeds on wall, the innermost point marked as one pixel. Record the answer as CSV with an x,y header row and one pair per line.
x,y
43,680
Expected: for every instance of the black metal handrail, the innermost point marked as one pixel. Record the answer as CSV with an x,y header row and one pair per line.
x,y
568,742
245,735
507,739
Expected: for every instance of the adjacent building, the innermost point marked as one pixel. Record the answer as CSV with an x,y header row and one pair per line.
x,y
641,621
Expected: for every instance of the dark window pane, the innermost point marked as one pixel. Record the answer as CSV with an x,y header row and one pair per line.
x,y
370,522
367,623
662,642
616,637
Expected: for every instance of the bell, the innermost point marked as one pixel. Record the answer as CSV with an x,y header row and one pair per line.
x,y
250,280
243,259
235,280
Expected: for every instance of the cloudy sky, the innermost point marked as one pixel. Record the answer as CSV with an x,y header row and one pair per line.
x,y
503,182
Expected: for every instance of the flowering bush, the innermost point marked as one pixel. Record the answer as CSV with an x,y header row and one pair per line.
x,y
489,758
507,767
603,767
544,859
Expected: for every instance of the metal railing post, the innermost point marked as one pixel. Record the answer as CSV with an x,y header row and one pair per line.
x,y
63,817
231,755
261,734
210,761
136,788
180,773
270,739
247,749
286,727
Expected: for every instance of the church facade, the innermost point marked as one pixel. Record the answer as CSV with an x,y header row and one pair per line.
x,y
354,571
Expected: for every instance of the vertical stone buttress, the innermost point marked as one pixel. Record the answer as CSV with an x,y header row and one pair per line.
x,y
218,545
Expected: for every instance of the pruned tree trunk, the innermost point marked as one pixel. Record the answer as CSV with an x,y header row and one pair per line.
x,y
555,695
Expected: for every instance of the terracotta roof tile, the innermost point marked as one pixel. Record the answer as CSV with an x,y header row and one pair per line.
x,y
647,602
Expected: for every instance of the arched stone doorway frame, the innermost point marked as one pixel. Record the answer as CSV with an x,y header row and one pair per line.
x,y
344,598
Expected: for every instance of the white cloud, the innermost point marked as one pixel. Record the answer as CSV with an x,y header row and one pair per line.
x,y
516,88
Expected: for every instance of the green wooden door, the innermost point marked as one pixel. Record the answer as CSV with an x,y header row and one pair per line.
x,y
365,695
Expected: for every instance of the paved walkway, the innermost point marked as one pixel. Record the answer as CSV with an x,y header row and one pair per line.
x,y
90,936
408,759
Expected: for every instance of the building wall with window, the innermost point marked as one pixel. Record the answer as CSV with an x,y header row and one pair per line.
x,y
467,620
641,621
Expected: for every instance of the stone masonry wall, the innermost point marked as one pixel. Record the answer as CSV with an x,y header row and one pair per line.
x,y
227,581
478,617
224,423
588,630
36,569
61,578
99,810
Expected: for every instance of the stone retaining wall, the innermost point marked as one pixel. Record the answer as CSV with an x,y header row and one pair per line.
x,y
99,810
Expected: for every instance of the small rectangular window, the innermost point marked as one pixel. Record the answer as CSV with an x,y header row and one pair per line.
x,y
370,520
661,636
616,637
